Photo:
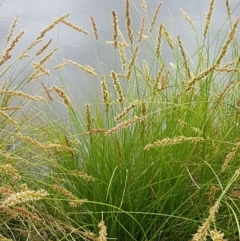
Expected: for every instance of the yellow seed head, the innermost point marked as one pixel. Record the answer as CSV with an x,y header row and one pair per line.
x,y
115,29
23,196
94,26
44,47
187,17
155,16
73,26
208,17
12,28
129,22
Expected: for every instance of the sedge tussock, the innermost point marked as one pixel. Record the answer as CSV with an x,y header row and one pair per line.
x,y
217,235
173,141
230,156
132,62
88,69
140,33
117,86
203,230
102,231
10,170
44,47
27,214
144,5
2,238
129,22
126,111
73,26
94,26
47,91
7,52
208,17
185,63
115,29
187,17
13,26
124,125
159,41
23,196
62,95
105,95
9,118
155,16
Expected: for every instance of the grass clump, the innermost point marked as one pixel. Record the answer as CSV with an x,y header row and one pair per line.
x,y
154,156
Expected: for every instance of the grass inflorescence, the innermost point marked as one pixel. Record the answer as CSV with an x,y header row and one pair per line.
x,y
153,156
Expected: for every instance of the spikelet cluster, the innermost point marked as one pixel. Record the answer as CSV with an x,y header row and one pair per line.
x,y
187,17
159,41
144,5
208,17
185,63
154,19
203,230
115,29
168,37
94,26
106,95
124,125
129,22
62,95
74,201
42,34
13,26
47,91
23,196
117,87
2,238
73,26
173,141
25,213
126,111
88,69
102,231
10,170
44,47
132,62
84,176
230,156
217,235
7,52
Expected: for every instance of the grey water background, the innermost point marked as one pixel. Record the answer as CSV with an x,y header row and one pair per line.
x,y
35,15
